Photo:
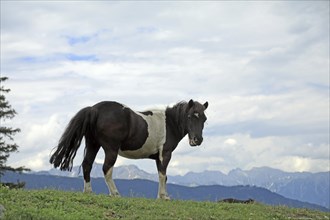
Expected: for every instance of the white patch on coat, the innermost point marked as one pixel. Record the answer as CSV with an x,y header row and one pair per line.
x,y
156,137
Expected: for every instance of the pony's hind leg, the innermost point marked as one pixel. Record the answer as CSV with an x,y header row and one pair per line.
x,y
109,162
90,153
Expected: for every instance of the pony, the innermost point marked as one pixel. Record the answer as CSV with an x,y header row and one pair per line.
x,y
122,131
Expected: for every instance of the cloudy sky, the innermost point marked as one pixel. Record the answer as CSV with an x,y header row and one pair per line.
x,y
263,66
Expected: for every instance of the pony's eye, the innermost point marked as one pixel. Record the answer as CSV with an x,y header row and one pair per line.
x,y
196,115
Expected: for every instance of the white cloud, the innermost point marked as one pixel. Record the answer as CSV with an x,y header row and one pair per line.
x,y
263,67
40,133
301,164
230,142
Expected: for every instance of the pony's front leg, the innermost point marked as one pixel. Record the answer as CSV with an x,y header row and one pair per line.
x,y
162,193
162,163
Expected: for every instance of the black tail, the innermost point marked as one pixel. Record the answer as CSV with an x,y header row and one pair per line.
x,y
82,124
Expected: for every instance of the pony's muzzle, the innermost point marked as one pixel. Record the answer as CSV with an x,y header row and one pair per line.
x,y
195,141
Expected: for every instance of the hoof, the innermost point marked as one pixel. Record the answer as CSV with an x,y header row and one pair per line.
x,y
115,195
164,197
88,191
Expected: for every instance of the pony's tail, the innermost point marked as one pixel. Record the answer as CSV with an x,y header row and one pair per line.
x,y
82,124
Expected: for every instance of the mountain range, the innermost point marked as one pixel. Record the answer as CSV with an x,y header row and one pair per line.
x,y
302,186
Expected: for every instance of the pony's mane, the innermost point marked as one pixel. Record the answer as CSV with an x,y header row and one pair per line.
x,y
178,113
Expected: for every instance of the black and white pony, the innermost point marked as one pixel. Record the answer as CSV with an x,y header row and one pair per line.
x,y
119,130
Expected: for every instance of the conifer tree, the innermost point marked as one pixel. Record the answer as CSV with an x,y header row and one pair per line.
x,y
7,133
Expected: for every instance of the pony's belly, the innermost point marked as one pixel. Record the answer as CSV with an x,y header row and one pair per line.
x,y
138,154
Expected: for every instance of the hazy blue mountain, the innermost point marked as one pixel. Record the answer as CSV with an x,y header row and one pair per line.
x,y
304,186
203,178
121,172
148,189
313,188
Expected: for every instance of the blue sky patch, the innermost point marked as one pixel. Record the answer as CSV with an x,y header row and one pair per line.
x,y
28,59
80,39
146,29
75,57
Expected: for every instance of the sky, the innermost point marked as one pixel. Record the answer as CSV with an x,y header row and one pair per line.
x,y
263,66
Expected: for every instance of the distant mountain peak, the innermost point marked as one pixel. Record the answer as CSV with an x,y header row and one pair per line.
x,y
265,168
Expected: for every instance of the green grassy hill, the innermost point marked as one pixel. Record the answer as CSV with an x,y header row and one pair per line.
x,y
53,204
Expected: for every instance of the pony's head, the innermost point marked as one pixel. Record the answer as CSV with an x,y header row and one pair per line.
x,y
195,122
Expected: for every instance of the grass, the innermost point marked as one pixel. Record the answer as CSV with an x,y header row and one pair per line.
x,y
53,204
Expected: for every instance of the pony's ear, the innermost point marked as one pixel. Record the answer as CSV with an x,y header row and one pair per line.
x,y
190,104
206,104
